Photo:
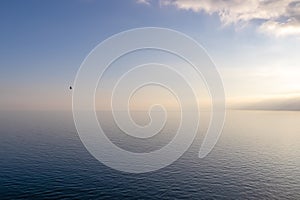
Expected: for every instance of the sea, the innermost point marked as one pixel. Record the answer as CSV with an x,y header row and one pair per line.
x,y
256,157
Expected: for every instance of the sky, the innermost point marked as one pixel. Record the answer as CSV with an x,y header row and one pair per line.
x,y
255,45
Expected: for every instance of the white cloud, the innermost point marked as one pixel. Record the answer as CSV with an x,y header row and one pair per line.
x,y
288,28
146,2
279,17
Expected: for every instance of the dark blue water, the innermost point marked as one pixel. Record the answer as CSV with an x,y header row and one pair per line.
x,y
257,157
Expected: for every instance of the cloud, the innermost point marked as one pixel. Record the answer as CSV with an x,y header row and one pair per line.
x,y
277,17
279,29
146,2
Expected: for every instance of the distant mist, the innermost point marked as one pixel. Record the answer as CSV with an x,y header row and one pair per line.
x,y
288,103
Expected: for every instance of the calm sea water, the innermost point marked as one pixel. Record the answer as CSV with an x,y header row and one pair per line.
x,y
257,157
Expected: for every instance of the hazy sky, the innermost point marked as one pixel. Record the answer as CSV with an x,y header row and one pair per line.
x,y
255,44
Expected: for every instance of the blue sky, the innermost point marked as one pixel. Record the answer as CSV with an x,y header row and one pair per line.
x,y
44,42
